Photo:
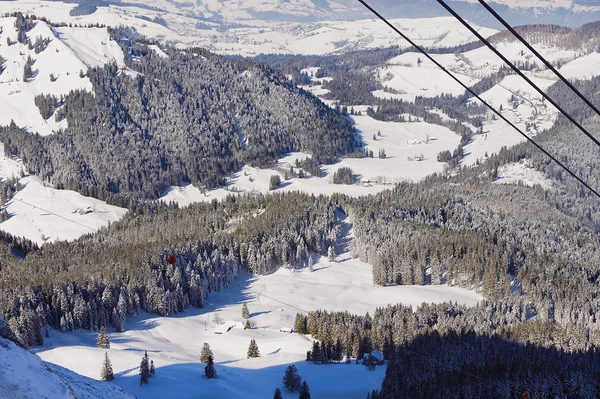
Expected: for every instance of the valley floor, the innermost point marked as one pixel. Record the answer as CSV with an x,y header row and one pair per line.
x,y
174,343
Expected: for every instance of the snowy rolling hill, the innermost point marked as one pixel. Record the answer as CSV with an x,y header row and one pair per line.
x,y
25,375
38,211
174,343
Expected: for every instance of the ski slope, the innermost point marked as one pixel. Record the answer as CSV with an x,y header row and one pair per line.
x,y
174,343
70,51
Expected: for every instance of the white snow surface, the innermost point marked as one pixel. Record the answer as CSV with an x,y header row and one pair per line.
x,y
257,35
400,141
25,376
33,210
174,343
70,51
522,172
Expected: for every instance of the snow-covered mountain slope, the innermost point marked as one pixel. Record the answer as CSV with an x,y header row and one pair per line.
x,y
257,36
33,209
25,376
56,69
174,343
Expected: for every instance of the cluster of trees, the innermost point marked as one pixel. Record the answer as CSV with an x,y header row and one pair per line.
x,y
344,175
28,72
486,350
182,119
102,279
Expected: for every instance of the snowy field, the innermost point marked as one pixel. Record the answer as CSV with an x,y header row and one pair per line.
x,y
522,172
70,51
174,343
401,142
258,36
25,376
33,210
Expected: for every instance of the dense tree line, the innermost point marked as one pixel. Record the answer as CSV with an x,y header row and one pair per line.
x,y
180,119
101,279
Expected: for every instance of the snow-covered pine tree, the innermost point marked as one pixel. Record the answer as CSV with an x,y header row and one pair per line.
x,y
209,369
291,379
371,362
304,391
245,312
107,372
102,340
144,370
277,394
331,254
253,349
152,369
205,353
247,326
310,264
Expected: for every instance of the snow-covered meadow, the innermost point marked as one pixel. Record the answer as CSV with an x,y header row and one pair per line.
x,y
174,343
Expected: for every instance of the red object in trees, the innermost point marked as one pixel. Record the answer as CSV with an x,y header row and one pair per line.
x,y
525,395
172,260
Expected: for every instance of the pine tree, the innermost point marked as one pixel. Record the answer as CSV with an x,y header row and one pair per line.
x,y
107,372
144,370
102,340
209,369
291,379
331,254
304,391
253,349
316,352
371,362
277,394
247,326
152,369
205,353
245,313
310,264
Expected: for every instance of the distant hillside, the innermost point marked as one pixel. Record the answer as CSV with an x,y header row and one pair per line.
x,y
170,117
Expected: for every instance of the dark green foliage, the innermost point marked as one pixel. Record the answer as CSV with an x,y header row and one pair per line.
x,y
107,372
343,175
27,70
108,279
274,182
40,44
47,104
23,25
144,369
291,379
205,353
277,394
304,391
300,324
184,119
209,369
102,340
253,349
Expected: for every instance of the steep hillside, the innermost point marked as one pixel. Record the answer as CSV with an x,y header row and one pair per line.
x,y
26,376
54,59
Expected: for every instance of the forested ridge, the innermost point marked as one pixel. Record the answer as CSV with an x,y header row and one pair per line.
x,y
187,118
533,253
101,279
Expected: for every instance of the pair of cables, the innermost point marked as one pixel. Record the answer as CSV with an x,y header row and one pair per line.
x,y
517,70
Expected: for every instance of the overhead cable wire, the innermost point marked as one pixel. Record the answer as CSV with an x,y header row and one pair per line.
x,y
539,56
518,71
474,94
